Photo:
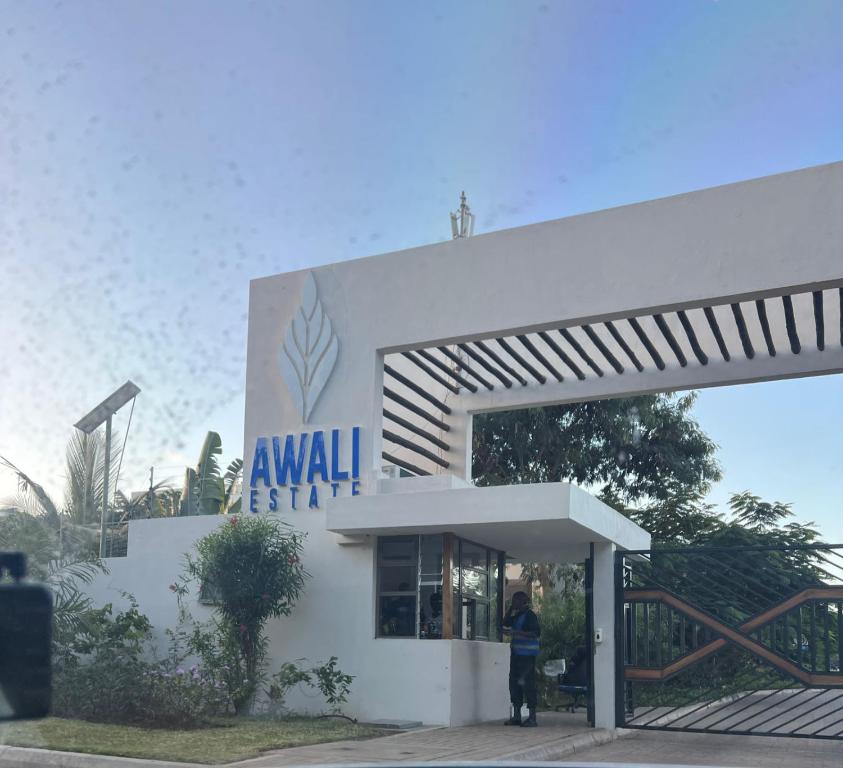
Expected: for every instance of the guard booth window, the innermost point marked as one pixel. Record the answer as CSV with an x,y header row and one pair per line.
x,y
411,574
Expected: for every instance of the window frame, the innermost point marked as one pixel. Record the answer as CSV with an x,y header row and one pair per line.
x,y
492,599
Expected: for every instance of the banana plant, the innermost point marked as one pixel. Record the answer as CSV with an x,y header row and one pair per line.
x,y
205,490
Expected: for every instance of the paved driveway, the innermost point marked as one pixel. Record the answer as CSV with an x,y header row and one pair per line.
x,y
660,747
560,733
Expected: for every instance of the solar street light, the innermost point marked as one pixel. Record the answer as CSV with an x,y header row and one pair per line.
x,y
90,421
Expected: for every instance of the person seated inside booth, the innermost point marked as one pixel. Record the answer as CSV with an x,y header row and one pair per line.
x,y
398,616
431,623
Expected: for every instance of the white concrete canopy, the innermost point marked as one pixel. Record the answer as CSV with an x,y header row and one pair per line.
x,y
544,522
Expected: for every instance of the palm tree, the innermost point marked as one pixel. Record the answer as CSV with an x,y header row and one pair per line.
x,y
85,473
58,552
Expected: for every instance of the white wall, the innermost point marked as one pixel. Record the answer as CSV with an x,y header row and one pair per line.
x,y
155,561
394,678
479,681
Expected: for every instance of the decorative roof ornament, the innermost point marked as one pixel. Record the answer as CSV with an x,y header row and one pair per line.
x,y
309,351
462,221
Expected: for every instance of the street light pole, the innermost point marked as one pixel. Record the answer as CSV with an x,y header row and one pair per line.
x,y
106,469
88,423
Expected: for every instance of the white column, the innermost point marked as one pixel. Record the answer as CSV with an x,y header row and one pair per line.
x,y
604,626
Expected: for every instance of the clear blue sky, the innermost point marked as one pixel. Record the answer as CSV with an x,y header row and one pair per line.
x,y
154,156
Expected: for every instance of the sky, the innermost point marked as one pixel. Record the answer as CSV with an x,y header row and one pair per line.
x,y
155,156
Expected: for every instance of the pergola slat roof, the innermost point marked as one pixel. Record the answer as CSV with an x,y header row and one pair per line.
x,y
642,344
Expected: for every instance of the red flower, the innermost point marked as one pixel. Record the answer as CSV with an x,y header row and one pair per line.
x,y
292,559
173,587
233,521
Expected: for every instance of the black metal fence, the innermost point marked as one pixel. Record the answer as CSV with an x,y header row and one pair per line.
x,y
743,640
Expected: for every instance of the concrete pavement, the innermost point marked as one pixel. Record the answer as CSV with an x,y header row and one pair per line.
x,y
697,749
559,734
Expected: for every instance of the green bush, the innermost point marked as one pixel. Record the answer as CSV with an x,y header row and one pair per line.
x,y
106,673
562,632
218,654
331,682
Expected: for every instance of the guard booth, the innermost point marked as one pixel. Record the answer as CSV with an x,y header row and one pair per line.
x,y
360,369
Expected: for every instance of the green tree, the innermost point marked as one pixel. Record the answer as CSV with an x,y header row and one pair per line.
x,y
644,447
60,541
205,490
253,565
66,574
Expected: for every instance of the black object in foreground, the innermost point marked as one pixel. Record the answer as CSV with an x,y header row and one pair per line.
x,y
26,612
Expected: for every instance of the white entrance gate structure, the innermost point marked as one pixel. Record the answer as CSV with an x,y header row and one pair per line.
x,y
735,284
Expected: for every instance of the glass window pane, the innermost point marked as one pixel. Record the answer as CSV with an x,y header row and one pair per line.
x,y
431,555
475,582
467,625
430,616
481,621
493,597
401,578
473,556
457,608
397,616
398,550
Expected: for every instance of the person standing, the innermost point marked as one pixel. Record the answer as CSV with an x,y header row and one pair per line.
x,y
523,627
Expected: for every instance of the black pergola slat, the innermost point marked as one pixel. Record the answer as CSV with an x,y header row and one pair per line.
x,y
563,356
430,372
715,330
521,361
416,429
501,362
485,364
411,406
692,337
761,307
671,339
578,348
404,464
462,364
790,324
604,350
840,299
616,335
819,319
531,348
445,369
746,342
648,345
411,446
420,391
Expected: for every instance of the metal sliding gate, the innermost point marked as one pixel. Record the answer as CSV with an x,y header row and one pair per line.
x,y
742,640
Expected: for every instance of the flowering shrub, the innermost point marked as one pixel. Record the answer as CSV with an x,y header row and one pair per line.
x,y
219,655
252,566
107,673
182,697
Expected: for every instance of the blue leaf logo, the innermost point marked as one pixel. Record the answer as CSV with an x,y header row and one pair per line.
x,y
309,351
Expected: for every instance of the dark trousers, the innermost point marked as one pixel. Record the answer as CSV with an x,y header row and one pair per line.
x,y
522,681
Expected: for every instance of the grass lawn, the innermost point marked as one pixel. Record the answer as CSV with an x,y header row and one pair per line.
x,y
224,741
